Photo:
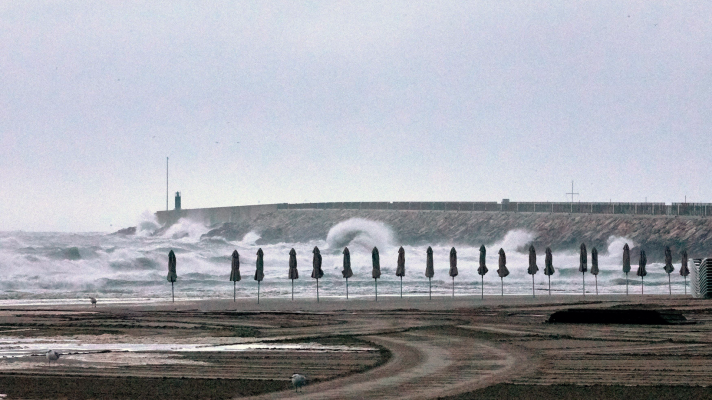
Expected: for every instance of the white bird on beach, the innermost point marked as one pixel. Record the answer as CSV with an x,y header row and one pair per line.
x,y
93,301
298,381
52,356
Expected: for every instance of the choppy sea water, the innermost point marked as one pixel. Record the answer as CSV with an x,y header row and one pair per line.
x,y
70,267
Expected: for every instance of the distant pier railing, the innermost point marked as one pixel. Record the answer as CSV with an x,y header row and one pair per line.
x,y
685,209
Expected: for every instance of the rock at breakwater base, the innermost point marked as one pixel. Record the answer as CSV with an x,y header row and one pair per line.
x,y
609,316
126,231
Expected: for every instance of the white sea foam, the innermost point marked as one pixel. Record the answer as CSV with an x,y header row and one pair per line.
x,y
250,238
40,266
186,229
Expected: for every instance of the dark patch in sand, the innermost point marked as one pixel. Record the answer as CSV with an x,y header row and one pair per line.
x,y
84,387
575,392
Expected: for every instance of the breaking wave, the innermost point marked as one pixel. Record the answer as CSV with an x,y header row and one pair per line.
x,y
359,232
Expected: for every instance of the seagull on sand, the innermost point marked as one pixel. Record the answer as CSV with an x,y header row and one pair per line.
x,y
52,356
93,301
298,380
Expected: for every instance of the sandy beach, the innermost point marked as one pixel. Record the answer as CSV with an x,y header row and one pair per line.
x,y
415,348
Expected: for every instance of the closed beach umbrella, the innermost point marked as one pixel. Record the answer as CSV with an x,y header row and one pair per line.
x,y
293,273
502,271
684,271
376,271
626,265
482,270
533,268
429,271
317,273
594,266
346,272
641,270
549,266
583,265
172,275
668,266
400,269
235,272
453,268
259,271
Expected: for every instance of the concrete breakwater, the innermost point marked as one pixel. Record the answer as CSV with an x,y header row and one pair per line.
x,y
557,230
211,216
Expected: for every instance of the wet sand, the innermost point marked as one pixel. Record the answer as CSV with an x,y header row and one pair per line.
x,y
451,348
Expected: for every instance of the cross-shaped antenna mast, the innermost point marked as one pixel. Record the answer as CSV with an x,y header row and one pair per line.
x,y
572,196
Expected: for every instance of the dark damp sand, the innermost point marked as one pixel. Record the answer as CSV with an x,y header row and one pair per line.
x,y
595,392
441,348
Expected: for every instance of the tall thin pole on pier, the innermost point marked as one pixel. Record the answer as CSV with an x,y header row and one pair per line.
x,y
572,196
166,183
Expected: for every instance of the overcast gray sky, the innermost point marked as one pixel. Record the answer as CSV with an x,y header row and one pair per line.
x,y
347,101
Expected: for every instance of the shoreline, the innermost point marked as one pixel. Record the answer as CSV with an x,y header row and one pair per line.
x,y
339,303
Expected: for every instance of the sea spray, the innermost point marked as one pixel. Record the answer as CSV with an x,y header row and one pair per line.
x,y
147,224
186,229
360,233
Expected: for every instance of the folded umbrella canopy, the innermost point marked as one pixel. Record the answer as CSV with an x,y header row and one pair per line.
x,y
235,272
626,265
668,266
346,272
293,273
400,269
684,271
594,266
259,271
502,271
549,266
376,271
533,268
641,270
429,271
172,275
583,265
317,273
453,268
482,270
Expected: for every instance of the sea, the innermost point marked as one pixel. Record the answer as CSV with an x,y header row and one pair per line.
x,y
68,268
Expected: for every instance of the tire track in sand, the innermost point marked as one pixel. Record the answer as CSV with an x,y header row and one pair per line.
x,y
424,364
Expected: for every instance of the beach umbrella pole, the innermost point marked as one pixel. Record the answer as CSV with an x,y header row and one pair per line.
x,y
642,285
502,280
317,290
685,285
549,285
430,288
533,285
669,285
583,275
258,292
376,283
173,297
596,276
234,289
482,286
626,284
453,286
401,287
347,288
292,289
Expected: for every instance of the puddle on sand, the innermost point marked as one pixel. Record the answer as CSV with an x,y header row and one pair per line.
x,y
98,360
24,353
